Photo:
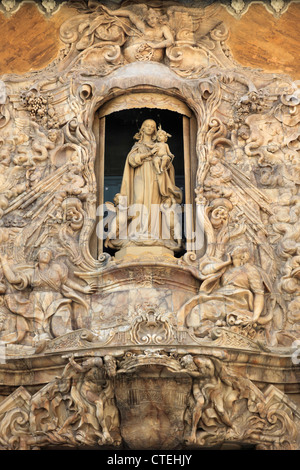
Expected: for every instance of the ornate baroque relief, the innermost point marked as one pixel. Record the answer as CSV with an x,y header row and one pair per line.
x,y
152,323
199,402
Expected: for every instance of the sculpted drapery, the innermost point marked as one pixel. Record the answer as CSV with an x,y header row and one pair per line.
x,y
144,190
51,296
232,292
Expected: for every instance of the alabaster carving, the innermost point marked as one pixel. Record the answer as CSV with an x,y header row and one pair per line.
x,y
100,337
100,399
232,293
48,307
148,183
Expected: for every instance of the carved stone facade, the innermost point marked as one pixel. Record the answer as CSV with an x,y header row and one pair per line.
x,y
145,341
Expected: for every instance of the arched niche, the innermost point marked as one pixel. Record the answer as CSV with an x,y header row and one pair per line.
x,y
115,124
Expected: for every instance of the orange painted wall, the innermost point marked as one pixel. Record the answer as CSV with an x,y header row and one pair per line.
x,y
259,40
30,41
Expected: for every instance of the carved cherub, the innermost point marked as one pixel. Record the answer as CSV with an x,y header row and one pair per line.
x,y
155,34
162,156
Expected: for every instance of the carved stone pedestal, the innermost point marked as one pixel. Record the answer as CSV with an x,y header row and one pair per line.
x,y
137,251
166,398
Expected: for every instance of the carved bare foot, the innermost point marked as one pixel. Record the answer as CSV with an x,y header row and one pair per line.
x,y
106,438
192,438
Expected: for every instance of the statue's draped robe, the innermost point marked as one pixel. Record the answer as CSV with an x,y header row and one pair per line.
x,y
142,185
224,294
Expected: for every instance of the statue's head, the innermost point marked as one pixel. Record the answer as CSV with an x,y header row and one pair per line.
x,y
52,135
152,17
45,255
147,128
162,136
240,255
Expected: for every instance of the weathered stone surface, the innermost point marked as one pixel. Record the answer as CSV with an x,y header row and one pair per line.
x,y
30,40
148,341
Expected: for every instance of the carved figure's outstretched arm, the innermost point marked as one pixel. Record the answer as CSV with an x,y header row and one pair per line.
x,y
77,287
8,272
126,14
214,266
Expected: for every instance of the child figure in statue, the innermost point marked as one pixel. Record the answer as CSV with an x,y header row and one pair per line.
x,y
162,156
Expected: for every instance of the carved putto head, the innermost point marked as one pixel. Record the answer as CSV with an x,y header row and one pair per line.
x,y
153,17
162,136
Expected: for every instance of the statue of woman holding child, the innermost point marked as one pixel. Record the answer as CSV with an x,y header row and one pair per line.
x,y
148,188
